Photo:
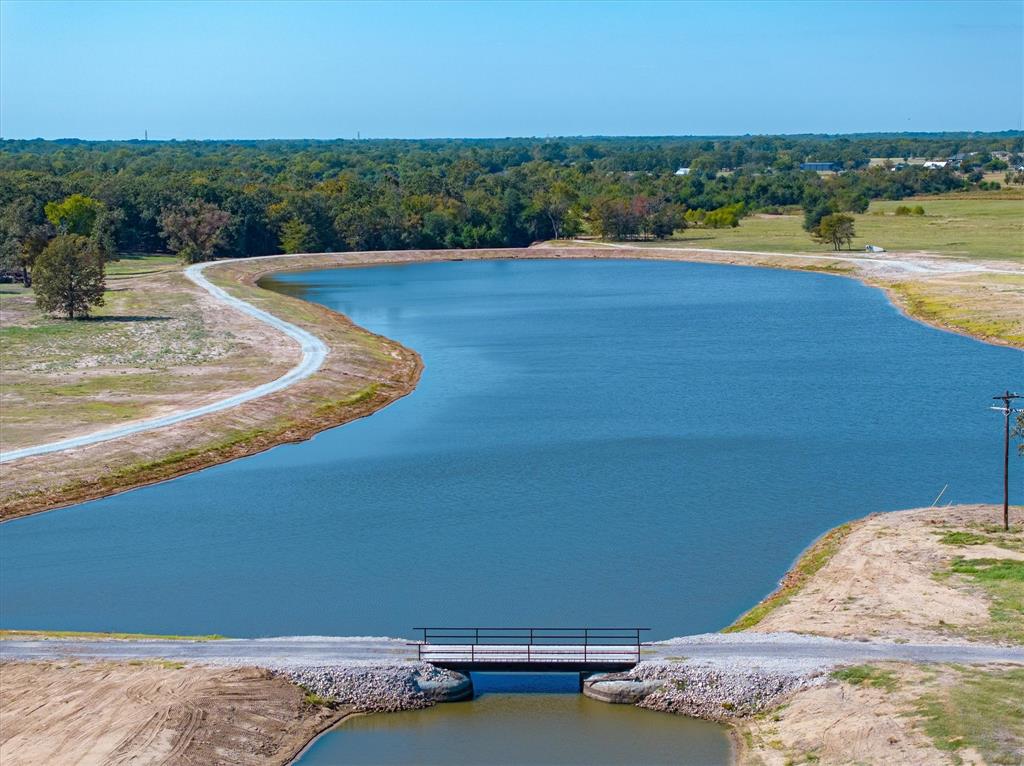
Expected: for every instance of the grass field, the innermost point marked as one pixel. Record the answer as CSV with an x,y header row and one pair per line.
x,y
155,343
979,225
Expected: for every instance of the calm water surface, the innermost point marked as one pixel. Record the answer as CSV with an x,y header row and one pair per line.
x,y
605,442
554,726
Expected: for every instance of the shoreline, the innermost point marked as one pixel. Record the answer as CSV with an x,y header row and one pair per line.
x,y
246,280
761,696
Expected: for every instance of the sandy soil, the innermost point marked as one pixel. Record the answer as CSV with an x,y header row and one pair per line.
x,y
151,713
853,724
365,372
880,583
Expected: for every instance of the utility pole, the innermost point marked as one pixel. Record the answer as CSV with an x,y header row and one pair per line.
x,y
1007,400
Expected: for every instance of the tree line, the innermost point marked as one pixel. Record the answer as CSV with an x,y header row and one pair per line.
x,y
240,198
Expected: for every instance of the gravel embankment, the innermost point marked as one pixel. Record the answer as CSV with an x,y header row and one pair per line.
x,y
719,692
374,688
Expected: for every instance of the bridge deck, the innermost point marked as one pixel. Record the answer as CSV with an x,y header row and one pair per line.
x,y
530,649
530,658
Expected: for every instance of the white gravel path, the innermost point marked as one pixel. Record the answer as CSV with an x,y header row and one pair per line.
x,y
314,352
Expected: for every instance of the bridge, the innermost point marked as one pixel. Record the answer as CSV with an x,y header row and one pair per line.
x,y
531,650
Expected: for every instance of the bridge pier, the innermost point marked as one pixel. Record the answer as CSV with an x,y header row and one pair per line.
x,y
448,690
613,688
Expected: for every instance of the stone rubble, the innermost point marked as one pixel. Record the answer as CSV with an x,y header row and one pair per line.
x,y
719,692
377,688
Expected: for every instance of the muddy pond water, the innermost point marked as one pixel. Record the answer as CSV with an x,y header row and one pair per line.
x,y
530,720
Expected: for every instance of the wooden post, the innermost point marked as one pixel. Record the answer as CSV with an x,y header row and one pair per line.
x,y
1007,400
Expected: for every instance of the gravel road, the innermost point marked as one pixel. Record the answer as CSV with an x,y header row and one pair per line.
x,y
766,650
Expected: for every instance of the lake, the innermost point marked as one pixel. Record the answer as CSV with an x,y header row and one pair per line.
x,y
592,443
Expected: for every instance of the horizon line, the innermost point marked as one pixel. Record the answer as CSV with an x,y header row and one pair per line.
x,y
549,137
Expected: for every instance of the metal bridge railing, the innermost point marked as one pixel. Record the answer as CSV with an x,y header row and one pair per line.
x,y
541,644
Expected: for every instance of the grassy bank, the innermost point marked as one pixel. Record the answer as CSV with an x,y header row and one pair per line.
x,y
987,225
91,635
894,713
810,563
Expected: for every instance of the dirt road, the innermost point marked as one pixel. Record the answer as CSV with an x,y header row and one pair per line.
x,y
152,713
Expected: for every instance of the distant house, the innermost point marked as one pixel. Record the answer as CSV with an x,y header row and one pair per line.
x,y
892,163
683,172
936,164
820,167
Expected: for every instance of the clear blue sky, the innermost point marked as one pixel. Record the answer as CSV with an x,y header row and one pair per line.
x,y
326,70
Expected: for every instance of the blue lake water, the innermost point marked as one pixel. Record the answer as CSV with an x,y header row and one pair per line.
x,y
596,442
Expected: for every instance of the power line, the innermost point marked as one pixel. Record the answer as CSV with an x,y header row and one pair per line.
x,y
1007,408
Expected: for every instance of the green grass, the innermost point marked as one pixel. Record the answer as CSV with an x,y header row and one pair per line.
x,y
1003,582
986,227
988,534
135,264
127,383
224,444
867,675
964,538
13,635
812,560
312,698
984,711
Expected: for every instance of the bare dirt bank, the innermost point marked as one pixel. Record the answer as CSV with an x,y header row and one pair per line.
x,y
153,713
923,575
907,575
365,372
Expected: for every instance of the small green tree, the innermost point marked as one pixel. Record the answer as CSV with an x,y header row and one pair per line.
x,y
68,277
75,215
296,236
835,230
917,210
724,217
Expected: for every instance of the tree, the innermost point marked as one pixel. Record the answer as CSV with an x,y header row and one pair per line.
x,y
75,215
724,217
813,213
194,230
68,277
1018,431
25,232
297,236
835,229
104,233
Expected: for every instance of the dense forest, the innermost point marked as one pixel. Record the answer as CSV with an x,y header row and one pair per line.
x,y
239,198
